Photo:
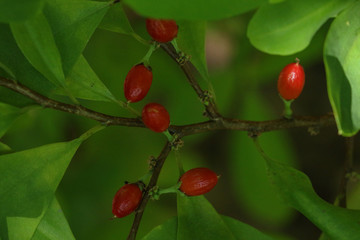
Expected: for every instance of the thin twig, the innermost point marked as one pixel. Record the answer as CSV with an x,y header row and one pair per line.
x,y
348,168
152,183
254,127
188,68
74,109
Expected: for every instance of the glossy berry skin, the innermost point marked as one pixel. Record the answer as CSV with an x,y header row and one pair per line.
x,y
198,181
126,200
155,117
291,81
137,83
161,30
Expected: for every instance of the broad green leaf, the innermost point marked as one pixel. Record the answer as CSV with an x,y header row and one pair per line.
x,y
167,230
4,148
116,20
248,170
197,219
191,40
53,225
12,57
341,57
8,114
19,10
193,10
31,177
28,183
288,27
295,189
73,23
244,231
36,41
84,83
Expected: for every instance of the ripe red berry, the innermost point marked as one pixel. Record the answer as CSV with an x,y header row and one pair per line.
x,y
137,83
291,81
126,200
198,181
155,117
161,30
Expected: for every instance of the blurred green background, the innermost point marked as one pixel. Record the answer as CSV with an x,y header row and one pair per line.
x,y
244,83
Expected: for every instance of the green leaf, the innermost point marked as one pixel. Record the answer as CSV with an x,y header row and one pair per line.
x,y
36,41
341,59
116,20
193,10
248,170
4,148
295,24
167,230
12,57
191,40
19,10
31,177
84,83
244,231
197,219
53,225
8,114
295,189
73,23
28,182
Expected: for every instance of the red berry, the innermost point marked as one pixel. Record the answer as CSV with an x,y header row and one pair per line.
x,y
137,83
161,30
155,117
126,200
291,81
198,181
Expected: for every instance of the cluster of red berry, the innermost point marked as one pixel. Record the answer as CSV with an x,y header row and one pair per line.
x,y
139,78
137,84
195,182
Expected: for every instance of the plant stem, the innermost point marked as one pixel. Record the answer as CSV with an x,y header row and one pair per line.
x,y
91,132
287,108
146,58
152,183
348,168
172,189
128,107
140,39
260,150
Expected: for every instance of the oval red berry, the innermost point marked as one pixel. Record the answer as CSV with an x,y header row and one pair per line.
x,y
126,200
155,117
198,181
137,83
291,81
161,30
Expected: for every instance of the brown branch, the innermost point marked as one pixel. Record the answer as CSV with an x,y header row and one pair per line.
x,y
74,109
348,168
255,127
187,67
152,183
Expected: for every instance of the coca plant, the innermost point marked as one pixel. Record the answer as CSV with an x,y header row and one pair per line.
x,y
92,59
